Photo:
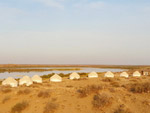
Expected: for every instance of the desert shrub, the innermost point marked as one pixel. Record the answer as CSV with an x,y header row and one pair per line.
x,y
101,100
88,90
50,107
69,86
140,87
112,90
146,102
5,99
134,80
108,79
19,107
44,94
115,84
121,109
0,82
25,91
6,90
80,79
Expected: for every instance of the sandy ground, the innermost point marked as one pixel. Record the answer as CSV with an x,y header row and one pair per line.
x,y
67,100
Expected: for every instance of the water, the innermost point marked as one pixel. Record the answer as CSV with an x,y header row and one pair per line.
x,y
84,70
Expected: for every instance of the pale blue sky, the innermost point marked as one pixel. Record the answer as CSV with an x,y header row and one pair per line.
x,y
75,31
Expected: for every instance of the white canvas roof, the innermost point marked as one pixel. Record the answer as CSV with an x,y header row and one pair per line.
x,y
124,74
56,78
37,79
136,74
25,80
93,75
10,81
74,75
109,74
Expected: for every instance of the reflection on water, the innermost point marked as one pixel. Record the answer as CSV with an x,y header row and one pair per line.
x,y
84,70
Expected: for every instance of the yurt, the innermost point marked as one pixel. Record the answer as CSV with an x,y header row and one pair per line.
x,y
36,79
124,74
136,74
93,75
74,75
109,74
10,81
25,80
56,78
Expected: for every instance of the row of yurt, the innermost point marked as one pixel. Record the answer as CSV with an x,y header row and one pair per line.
x,y
56,78
37,79
24,80
123,74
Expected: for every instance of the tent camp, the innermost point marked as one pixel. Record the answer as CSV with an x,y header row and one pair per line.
x,y
124,74
93,75
74,75
25,80
56,78
10,82
136,74
109,74
37,79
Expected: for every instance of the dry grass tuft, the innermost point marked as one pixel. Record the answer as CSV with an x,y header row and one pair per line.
x,y
140,87
5,99
121,109
25,91
19,107
44,94
101,100
88,90
50,107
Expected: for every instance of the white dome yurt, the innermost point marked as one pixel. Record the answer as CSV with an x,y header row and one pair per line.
x,y
56,78
136,74
25,80
37,79
74,75
10,81
109,74
93,75
124,74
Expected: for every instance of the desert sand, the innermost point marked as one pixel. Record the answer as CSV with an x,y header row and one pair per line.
x,y
86,95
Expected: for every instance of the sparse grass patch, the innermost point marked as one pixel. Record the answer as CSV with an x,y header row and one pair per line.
x,y
19,107
44,94
140,87
25,91
101,100
50,107
5,99
88,90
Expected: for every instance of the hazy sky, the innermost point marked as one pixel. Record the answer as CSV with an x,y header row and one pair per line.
x,y
75,31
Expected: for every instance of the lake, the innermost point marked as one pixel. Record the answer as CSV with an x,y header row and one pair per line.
x,y
83,70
